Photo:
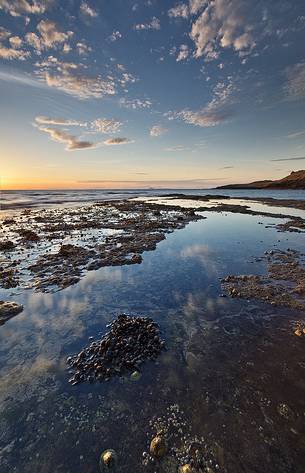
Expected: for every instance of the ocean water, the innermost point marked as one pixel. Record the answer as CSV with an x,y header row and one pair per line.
x,y
22,199
234,367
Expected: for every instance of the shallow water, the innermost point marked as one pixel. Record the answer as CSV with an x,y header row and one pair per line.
x,y
10,199
230,365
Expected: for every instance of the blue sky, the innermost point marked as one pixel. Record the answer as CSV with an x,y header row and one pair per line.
x,y
150,93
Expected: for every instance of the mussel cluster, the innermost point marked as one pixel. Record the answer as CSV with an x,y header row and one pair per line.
x,y
129,342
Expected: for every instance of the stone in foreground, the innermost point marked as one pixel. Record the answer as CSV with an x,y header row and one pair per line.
x,y
8,310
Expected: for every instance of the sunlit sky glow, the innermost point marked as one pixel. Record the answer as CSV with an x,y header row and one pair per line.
x,y
155,93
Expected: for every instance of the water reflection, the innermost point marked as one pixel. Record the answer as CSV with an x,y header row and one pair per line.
x,y
227,364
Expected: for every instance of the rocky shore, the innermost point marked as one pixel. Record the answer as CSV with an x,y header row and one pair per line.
x,y
284,285
51,249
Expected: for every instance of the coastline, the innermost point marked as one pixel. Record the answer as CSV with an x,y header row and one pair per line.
x,y
205,270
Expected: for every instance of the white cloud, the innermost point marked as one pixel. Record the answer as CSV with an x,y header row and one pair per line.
x,y
4,34
51,62
99,125
66,48
295,84
127,77
154,24
33,40
223,24
15,42
179,11
117,141
183,53
79,85
20,7
72,143
197,5
183,10
104,125
217,111
42,120
157,130
83,49
115,36
12,53
296,134
177,148
135,103
51,36
87,10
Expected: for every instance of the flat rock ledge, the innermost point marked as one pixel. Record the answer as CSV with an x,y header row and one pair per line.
x,y
8,310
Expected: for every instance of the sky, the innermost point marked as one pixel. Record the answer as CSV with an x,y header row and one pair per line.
x,y
150,93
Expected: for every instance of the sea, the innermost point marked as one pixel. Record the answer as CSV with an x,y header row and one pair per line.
x,y
12,199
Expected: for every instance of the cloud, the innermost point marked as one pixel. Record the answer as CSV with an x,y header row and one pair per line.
x,y
115,35
104,125
20,7
297,134
4,34
183,53
179,11
83,49
51,62
88,11
15,42
226,167
157,130
183,10
287,159
58,121
51,36
72,143
207,117
12,53
34,40
154,24
21,79
177,148
223,24
127,77
135,103
117,141
217,111
295,84
79,85
197,5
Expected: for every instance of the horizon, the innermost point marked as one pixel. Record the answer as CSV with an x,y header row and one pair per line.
x,y
97,92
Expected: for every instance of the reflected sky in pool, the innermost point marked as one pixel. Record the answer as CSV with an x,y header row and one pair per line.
x,y
229,364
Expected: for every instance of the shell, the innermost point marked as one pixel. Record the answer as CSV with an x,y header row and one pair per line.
x,y
108,461
158,446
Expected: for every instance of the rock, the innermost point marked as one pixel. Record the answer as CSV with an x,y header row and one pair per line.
x,y
135,376
6,245
285,411
186,469
8,310
158,446
129,342
29,235
68,250
298,332
108,461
